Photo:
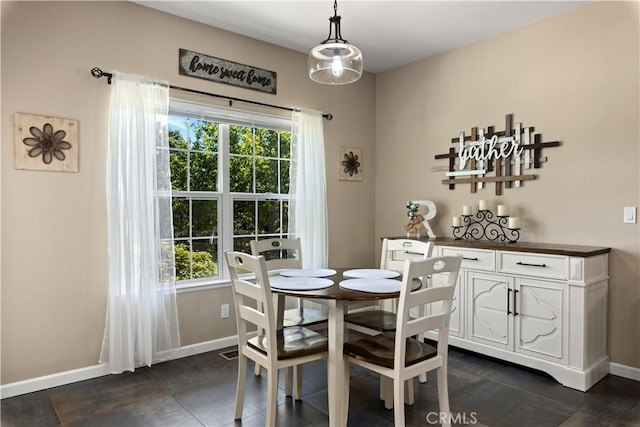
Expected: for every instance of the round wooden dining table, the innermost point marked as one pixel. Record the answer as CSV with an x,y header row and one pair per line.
x,y
335,298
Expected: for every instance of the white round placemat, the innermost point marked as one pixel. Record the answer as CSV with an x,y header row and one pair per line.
x,y
376,286
308,272
371,273
300,283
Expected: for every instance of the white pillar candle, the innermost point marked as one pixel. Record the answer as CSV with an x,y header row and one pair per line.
x,y
503,210
514,222
456,221
466,210
484,206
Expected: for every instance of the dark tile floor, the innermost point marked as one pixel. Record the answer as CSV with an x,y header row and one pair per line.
x,y
200,391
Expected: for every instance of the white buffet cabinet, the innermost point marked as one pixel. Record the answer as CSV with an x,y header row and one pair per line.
x,y
538,305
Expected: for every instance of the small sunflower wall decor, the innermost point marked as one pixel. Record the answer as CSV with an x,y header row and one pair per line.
x,y
349,164
45,143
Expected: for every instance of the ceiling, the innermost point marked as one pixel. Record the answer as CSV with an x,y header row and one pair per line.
x,y
389,33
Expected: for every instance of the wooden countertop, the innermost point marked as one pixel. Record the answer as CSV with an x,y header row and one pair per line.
x,y
547,248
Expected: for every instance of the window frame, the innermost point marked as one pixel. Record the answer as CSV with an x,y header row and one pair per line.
x,y
225,117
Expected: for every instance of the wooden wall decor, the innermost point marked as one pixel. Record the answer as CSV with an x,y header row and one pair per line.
x,y
349,164
219,70
506,154
45,143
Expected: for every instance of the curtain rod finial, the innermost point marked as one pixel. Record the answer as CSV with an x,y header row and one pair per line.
x,y
98,73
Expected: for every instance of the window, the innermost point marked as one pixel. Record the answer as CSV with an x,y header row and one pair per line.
x,y
230,180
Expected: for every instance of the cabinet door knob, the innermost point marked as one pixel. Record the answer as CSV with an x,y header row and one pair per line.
x,y
515,296
531,265
508,301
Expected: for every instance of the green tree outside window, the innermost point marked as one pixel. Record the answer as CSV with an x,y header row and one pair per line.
x,y
258,162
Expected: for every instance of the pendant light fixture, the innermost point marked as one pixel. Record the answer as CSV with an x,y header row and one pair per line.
x,y
335,61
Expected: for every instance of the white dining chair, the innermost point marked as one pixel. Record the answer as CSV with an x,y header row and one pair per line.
x,y
395,252
382,318
271,348
281,254
398,355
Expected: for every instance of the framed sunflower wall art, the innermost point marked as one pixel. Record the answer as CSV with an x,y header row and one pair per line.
x,y
349,164
45,143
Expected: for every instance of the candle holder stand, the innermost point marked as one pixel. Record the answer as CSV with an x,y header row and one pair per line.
x,y
484,225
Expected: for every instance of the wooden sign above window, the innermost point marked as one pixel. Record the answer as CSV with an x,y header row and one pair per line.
x,y
222,71
494,156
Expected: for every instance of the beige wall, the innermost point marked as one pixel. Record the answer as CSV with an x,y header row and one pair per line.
x,y
575,77
54,240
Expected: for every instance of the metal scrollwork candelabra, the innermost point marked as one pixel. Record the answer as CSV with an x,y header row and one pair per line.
x,y
485,225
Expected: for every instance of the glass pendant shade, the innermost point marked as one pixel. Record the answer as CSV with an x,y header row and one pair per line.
x,y
335,61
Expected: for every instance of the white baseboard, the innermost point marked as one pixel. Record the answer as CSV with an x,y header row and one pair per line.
x,y
53,380
100,370
206,346
624,371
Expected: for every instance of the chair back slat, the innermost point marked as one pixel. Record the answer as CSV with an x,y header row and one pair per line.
x,y
252,315
427,323
396,251
439,314
430,295
251,290
279,253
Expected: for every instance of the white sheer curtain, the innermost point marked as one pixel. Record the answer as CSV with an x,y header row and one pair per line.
x,y
308,188
142,321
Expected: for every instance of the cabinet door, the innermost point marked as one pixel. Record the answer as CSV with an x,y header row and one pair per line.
x,y
538,316
456,323
488,302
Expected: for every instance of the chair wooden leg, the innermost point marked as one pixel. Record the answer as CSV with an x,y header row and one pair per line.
x,y
242,378
388,391
258,369
345,394
398,398
443,396
272,395
422,377
409,398
288,381
297,381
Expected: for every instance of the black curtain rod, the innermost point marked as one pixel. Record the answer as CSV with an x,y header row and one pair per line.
x,y
98,73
